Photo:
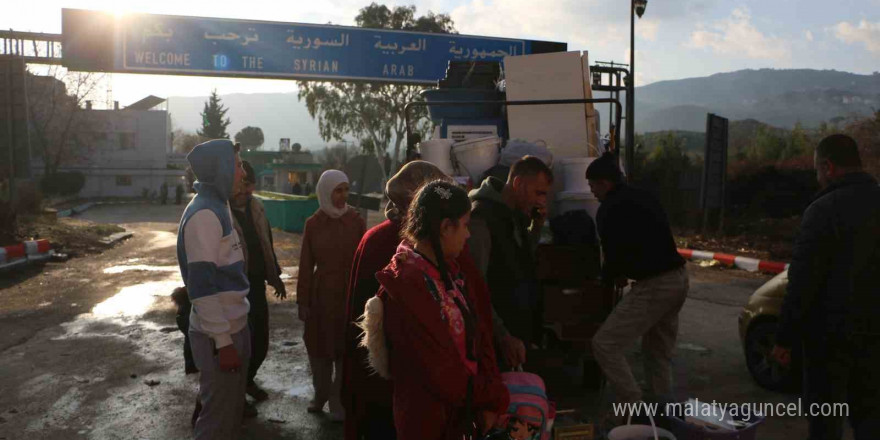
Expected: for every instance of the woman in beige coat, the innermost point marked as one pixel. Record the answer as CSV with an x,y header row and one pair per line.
x,y
330,239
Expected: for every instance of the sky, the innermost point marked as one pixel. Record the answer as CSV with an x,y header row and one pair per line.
x,y
675,39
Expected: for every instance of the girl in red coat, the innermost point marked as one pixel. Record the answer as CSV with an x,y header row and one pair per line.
x,y
366,397
425,329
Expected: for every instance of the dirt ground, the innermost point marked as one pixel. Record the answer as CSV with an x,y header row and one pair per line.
x,y
72,236
89,348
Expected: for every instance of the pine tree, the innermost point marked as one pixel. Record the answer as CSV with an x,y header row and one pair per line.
x,y
213,124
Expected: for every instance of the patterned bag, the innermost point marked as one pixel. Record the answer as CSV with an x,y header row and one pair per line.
x,y
530,415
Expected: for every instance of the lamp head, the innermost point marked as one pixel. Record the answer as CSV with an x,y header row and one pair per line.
x,y
640,6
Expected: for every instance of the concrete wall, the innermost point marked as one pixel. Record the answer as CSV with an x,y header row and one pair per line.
x,y
129,183
127,139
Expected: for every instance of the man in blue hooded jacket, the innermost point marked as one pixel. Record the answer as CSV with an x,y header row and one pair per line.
x,y
212,266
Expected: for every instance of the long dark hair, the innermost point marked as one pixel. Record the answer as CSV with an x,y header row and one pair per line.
x,y
434,202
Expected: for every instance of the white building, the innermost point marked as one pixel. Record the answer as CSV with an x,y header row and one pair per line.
x,y
128,152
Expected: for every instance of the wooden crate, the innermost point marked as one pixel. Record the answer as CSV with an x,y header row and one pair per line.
x,y
567,263
576,301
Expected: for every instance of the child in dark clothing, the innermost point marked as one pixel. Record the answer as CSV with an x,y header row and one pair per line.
x,y
181,300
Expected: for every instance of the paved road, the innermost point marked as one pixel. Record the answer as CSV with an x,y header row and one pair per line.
x,y
80,339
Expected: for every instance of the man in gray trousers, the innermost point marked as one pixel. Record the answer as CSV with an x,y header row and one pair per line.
x,y
212,266
639,249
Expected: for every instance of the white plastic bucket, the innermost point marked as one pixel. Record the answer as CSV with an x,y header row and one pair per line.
x,y
574,172
574,200
475,156
439,153
640,432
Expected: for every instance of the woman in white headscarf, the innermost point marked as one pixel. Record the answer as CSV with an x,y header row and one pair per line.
x,y
329,241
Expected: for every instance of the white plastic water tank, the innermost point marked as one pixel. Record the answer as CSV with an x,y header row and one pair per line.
x,y
475,156
439,153
574,171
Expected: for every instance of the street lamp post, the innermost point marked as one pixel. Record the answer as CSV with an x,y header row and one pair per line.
x,y
636,7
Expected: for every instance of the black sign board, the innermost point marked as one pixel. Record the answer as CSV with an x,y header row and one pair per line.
x,y
714,163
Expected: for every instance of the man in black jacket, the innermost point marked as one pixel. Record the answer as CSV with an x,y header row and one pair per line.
x,y
255,232
506,221
832,305
638,246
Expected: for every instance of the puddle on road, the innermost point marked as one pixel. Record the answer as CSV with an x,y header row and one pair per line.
x,y
304,391
300,388
134,301
122,309
139,267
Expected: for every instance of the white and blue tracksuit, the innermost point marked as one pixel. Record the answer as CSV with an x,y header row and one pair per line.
x,y
212,265
209,250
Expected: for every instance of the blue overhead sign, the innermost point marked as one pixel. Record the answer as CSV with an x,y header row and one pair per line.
x,y
164,44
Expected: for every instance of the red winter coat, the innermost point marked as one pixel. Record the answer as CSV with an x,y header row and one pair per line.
x,y
364,393
429,376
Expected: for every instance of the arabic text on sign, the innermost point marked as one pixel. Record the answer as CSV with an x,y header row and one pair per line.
x,y
395,49
317,43
156,31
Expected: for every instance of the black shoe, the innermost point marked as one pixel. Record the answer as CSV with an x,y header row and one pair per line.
x,y
190,369
250,411
256,392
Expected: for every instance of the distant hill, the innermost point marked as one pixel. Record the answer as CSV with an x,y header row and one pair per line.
x,y
780,98
776,97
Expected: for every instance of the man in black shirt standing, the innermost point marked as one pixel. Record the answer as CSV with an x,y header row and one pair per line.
x,y
832,301
639,249
262,266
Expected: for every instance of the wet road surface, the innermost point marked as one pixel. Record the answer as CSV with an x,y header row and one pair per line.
x,y
84,343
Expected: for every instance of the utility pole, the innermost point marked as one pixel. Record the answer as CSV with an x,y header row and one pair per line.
x,y
630,96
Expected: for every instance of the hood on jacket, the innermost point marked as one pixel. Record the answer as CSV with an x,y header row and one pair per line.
x,y
213,163
490,190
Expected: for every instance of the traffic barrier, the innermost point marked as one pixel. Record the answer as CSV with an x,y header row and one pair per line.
x,y
744,263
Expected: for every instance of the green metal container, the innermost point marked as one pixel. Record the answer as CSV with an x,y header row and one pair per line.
x,y
286,211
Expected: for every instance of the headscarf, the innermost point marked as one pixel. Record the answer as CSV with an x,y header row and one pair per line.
x,y
403,185
326,185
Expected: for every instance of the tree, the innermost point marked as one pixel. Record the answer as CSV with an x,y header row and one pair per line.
x,y
798,144
337,156
213,124
184,141
60,132
251,138
373,112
